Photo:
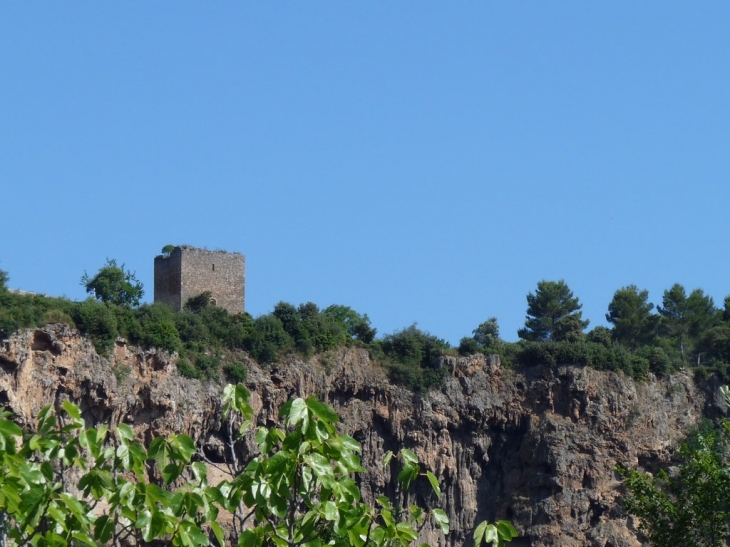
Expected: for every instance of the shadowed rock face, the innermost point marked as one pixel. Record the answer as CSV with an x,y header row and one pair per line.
x,y
537,447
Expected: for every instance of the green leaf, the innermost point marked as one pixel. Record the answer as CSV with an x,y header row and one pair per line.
x,y
235,397
434,483
387,457
71,409
251,538
218,531
298,414
319,464
8,428
96,482
479,533
137,457
408,456
31,474
154,495
195,534
159,451
406,532
407,474
383,501
507,532
184,444
103,528
156,526
491,535
144,517
200,472
330,511
74,505
442,520
323,411
58,515
171,472
387,517
123,455
84,538
125,432
416,513
351,444
322,431
351,462
280,462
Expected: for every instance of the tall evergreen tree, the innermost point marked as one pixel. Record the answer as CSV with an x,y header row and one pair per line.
x,y
553,313
630,314
686,317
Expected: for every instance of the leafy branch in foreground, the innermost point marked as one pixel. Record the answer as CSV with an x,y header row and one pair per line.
x,y
690,506
67,484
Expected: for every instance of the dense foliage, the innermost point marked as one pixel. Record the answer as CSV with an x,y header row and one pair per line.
x,y
114,284
299,490
413,357
690,506
687,330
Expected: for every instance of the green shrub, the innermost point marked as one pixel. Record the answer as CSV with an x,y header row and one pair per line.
x,y
236,373
25,310
292,322
54,315
128,323
592,354
601,335
326,332
158,328
413,357
658,361
192,330
200,302
113,284
357,326
209,366
187,370
269,339
9,323
98,321
241,330
469,346
220,325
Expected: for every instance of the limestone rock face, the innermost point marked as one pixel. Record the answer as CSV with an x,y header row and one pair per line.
x,y
538,447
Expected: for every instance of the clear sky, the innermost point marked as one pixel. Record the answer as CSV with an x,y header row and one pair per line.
x,y
422,162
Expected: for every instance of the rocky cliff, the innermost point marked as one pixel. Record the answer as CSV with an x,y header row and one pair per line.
x,y
537,447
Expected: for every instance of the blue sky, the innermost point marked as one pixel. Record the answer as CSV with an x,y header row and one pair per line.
x,y
422,162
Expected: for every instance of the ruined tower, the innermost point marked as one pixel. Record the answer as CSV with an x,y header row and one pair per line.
x,y
188,271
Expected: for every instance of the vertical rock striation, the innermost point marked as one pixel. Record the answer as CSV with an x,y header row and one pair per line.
x,y
537,447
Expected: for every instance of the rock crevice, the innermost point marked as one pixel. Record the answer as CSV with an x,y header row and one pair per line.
x,y
538,447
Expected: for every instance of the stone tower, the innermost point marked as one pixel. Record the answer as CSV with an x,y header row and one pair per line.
x,y
188,271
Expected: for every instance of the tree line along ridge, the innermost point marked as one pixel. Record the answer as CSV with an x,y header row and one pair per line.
x,y
686,331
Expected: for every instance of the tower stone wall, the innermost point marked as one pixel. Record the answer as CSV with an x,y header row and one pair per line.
x,y
188,271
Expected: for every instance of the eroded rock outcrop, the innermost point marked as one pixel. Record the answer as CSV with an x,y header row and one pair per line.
x,y
538,447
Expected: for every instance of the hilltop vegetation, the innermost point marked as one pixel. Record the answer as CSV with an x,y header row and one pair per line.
x,y
687,330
